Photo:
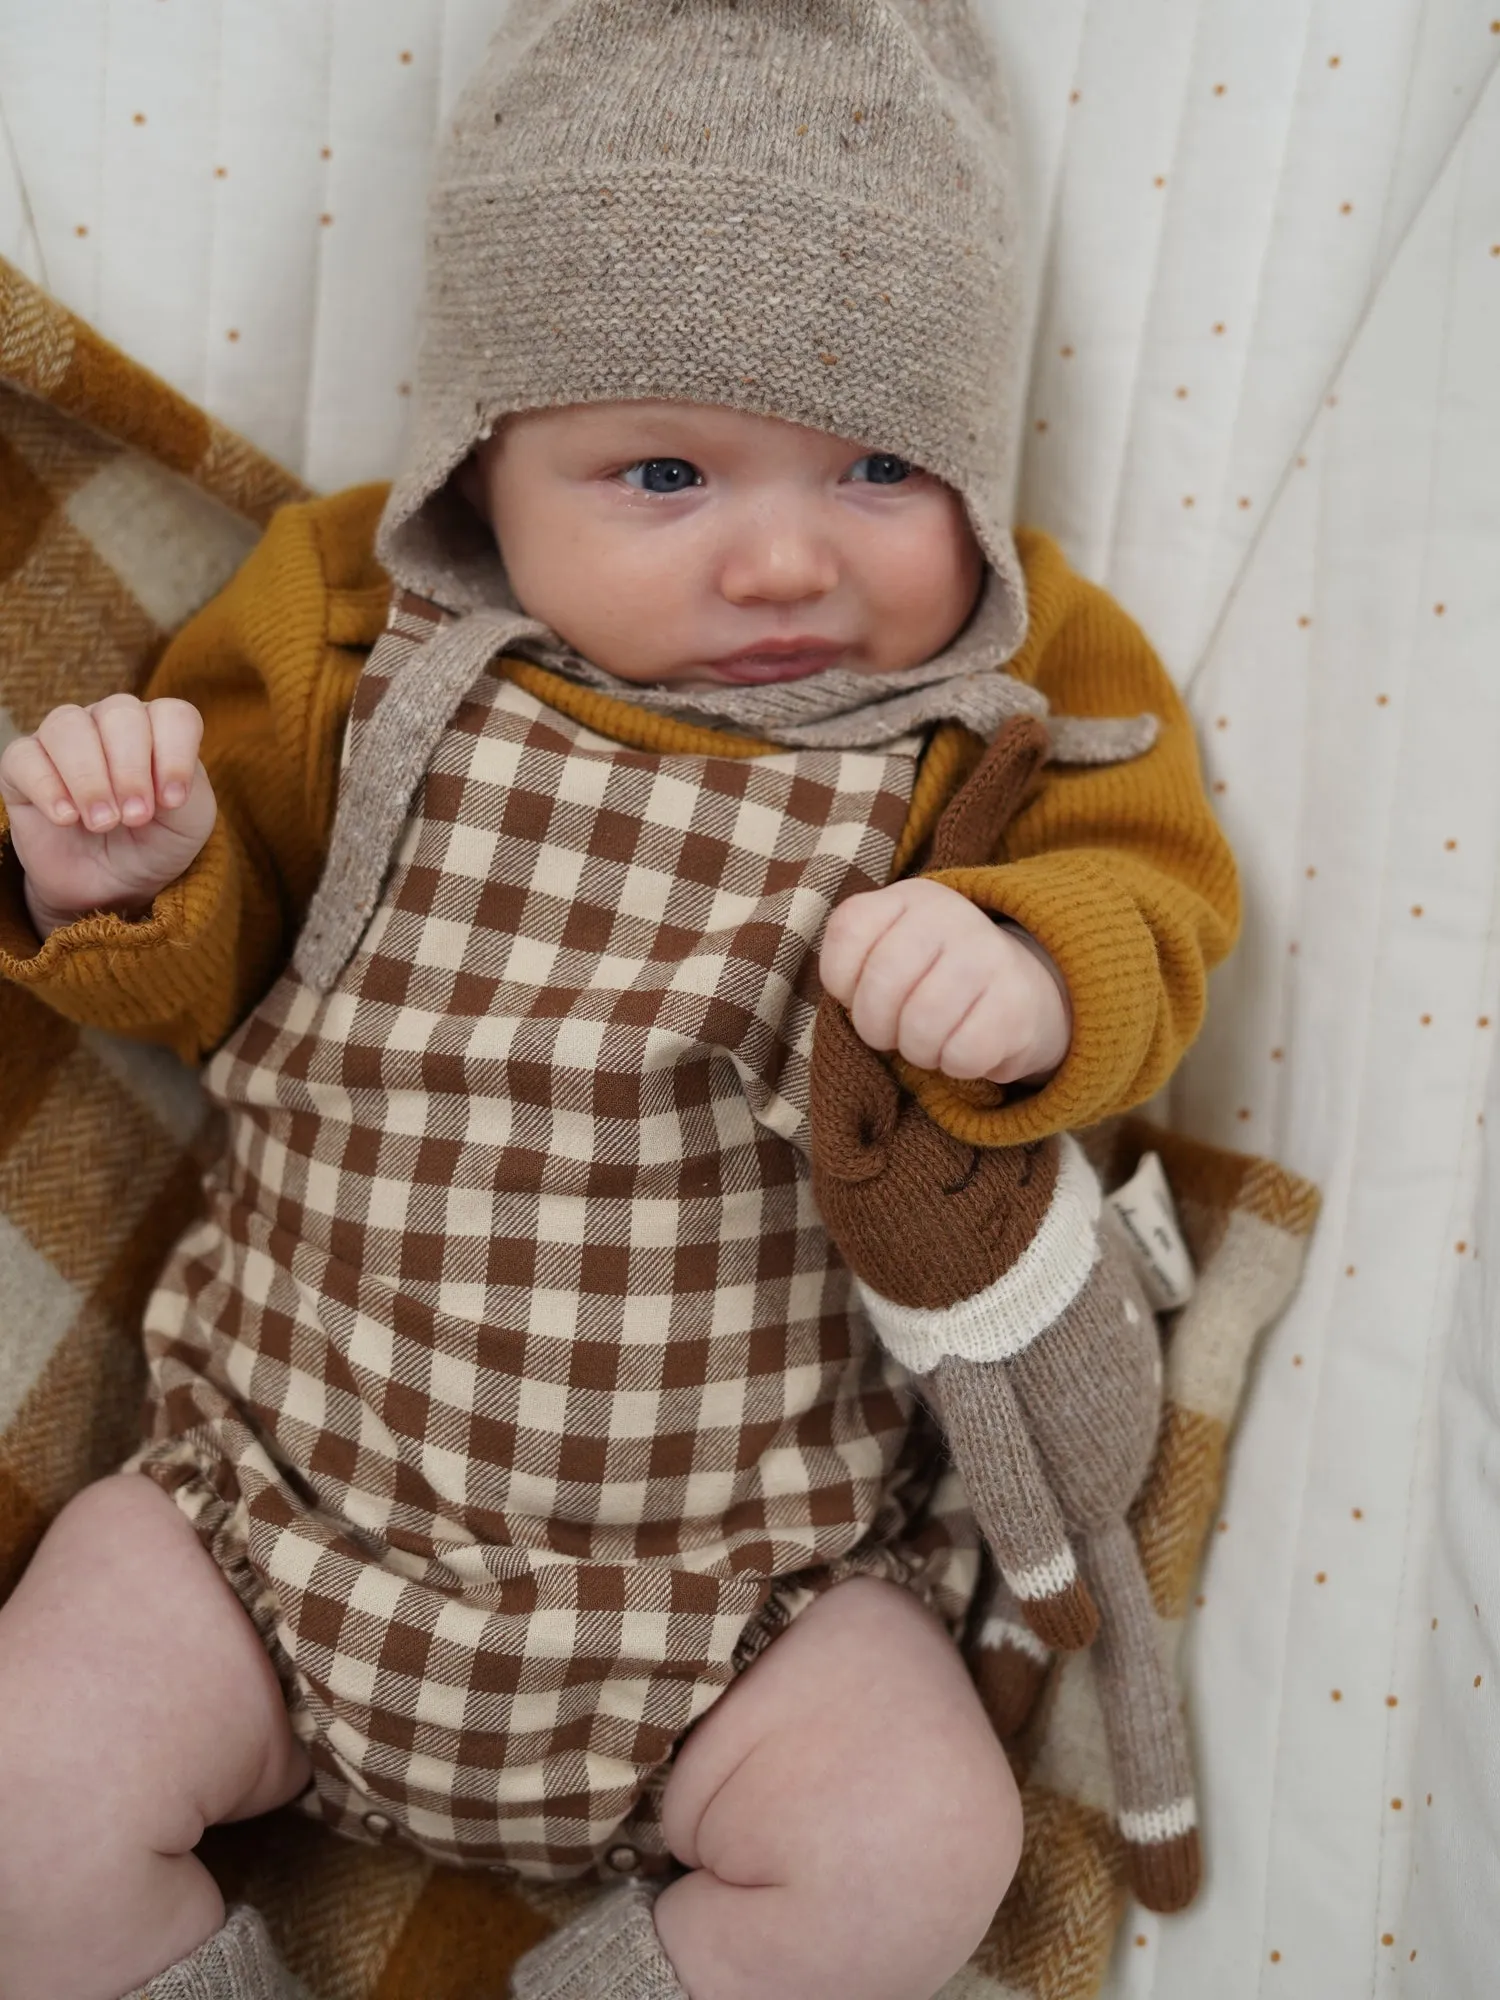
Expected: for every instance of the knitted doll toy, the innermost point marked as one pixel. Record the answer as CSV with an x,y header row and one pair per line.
x,y
1004,1283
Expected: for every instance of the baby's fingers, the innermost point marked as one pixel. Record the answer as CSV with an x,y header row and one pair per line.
x,y
176,733
71,740
28,777
125,732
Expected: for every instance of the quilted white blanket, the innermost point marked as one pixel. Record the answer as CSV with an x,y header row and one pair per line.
x,y
1265,412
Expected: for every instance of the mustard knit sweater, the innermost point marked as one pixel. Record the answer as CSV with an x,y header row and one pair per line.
x,y
1119,871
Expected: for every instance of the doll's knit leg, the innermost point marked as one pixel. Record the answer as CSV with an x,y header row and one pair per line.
x,y
238,1962
609,1952
1144,1724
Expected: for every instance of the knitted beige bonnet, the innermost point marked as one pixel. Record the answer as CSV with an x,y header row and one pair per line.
x,y
798,208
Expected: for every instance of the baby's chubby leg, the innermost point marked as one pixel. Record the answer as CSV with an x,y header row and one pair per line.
x,y
137,1707
849,1816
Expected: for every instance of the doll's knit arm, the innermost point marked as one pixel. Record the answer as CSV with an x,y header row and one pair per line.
x,y
271,665
1120,872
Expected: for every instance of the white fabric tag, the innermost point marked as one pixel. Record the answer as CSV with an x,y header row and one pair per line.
x,y
1144,1206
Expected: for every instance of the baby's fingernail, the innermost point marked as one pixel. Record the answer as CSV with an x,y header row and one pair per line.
x,y
101,815
135,809
173,794
66,811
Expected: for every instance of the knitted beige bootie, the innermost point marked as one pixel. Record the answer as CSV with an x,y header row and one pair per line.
x,y
238,1962
610,1952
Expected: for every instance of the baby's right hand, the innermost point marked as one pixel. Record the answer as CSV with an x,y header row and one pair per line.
x,y
108,805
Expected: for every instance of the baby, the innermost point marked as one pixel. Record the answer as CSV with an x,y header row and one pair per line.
x,y
521,1481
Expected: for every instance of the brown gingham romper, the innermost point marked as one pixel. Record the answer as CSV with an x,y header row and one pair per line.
x,y
510,1378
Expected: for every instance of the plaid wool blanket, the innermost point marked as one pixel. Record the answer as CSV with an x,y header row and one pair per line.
x,y
122,509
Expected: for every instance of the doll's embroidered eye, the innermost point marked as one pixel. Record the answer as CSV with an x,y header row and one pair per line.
x,y
662,475
885,468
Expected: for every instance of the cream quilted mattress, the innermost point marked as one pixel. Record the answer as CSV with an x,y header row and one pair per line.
x,y
1265,412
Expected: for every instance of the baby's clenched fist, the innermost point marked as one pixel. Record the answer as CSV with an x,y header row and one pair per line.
x,y
108,805
925,972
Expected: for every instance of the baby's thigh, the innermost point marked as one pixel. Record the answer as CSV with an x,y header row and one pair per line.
x,y
853,1755
137,1704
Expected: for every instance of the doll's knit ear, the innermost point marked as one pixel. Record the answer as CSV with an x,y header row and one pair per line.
x,y
854,1100
968,834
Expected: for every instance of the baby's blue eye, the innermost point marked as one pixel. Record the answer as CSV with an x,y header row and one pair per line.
x,y
663,475
885,468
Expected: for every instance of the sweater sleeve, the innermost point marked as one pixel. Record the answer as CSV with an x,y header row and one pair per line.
x,y
1120,872
271,665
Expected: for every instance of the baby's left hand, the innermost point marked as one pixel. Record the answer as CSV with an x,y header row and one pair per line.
x,y
924,971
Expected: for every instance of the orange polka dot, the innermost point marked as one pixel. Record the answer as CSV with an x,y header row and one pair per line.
x,y
1426,1020
1074,95
1357,1513
1293,948
138,118
1479,1680
1304,621
403,388
1041,423
1296,1360
1386,1938
1244,500
1346,208
1140,1937
1391,1701
1438,610
1242,1113
1411,1956
325,152
1484,1021
1223,1527
1416,909
1218,326
1301,464
1460,1247
1161,181
233,333
1321,1577
1310,872
1450,845
1219,89
1348,1270
1334,61
1220,786
1331,402
1200,1601
1336,1694
406,55
1277,1054
1066,353
1275,1958
1221,722
1395,1805
1182,395
1429,1798
221,173
1189,500
80,229
325,219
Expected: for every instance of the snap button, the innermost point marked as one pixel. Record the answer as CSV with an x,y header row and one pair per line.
x,y
624,1860
378,1824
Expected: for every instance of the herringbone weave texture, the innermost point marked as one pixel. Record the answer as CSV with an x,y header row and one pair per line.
x,y
122,508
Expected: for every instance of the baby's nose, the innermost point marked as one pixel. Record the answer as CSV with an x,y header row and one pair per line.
x,y
778,557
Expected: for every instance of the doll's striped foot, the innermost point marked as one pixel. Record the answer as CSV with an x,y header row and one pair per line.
x,y
1066,1618
1164,1873
1009,1665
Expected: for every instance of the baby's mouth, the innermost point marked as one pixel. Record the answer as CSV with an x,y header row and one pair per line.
x,y
777,663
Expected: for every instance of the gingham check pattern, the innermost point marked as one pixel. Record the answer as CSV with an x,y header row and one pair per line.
x,y
511,1368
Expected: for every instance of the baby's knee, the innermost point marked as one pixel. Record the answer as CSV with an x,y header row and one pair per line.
x,y
954,1833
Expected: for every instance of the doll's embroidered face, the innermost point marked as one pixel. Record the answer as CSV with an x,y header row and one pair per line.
x,y
661,538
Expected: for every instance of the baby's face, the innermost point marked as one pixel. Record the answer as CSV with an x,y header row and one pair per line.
x,y
663,539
